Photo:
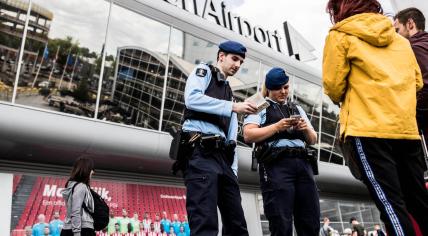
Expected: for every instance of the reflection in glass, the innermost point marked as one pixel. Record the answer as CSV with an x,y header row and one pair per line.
x,y
62,55
240,95
12,18
264,70
247,76
192,49
308,96
330,126
339,212
136,57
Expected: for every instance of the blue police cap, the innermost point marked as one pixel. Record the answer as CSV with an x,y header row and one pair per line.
x,y
233,47
276,78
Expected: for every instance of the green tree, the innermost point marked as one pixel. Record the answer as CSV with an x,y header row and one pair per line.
x,y
81,93
65,45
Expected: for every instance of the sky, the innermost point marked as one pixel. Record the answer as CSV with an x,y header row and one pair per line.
x,y
308,17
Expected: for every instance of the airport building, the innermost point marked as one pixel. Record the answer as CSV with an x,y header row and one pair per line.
x,y
111,88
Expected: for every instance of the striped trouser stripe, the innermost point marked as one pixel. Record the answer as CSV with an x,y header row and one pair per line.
x,y
378,190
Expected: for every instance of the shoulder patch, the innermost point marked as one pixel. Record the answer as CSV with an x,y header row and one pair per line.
x,y
201,72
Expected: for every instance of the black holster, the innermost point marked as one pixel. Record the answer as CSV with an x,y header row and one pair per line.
x,y
264,153
312,158
229,149
179,151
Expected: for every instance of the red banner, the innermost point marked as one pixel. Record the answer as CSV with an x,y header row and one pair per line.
x,y
45,198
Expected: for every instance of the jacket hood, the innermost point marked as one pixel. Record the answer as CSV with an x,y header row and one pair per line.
x,y
372,28
66,192
420,39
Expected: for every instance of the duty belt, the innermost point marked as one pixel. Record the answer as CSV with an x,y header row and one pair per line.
x,y
290,152
205,140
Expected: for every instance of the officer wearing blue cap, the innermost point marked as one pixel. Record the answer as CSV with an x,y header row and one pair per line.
x,y
210,131
281,132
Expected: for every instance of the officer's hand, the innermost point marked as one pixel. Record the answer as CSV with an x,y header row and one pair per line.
x,y
244,107
284,124
302,125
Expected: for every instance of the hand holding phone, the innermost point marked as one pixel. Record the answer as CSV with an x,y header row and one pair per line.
x,y
295,119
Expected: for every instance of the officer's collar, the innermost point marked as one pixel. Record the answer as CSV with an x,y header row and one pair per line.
x,y
269,99
219,76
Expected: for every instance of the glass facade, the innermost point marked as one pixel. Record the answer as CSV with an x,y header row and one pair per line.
x,y
135,66
62,56
13,15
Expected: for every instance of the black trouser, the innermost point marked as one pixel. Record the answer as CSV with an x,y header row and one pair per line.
x,y
393,171
289,189
84,232
422,118
210,182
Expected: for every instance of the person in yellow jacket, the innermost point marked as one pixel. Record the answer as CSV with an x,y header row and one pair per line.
x,y
373,74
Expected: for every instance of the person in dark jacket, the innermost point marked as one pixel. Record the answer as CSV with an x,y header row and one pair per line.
x,y
78,221
410,23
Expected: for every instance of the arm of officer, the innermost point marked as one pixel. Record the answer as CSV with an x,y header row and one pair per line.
x,y
233,135
306,127
335,67
195,98
253,133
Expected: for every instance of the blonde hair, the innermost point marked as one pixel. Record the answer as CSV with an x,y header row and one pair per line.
x,y
265,91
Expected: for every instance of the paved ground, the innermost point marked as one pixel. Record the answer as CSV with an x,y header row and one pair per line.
x,y
34,101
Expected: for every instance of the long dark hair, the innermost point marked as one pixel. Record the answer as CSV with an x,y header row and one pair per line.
x,y
81,171
342,9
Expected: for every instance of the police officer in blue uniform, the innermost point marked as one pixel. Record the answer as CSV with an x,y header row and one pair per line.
x,y
210,127
286,176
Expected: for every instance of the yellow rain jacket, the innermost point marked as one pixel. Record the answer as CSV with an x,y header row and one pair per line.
x,y
373,73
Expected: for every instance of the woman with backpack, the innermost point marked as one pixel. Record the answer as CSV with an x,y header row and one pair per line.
x,y
79,200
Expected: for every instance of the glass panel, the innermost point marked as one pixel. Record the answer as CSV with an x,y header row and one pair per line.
x,y
135,68
264,70
62,56
247,76
308,96
330,127
241,95
12,18
339,212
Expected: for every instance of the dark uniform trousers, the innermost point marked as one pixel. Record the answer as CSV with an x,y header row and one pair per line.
x,y
288,190
210,182
393,171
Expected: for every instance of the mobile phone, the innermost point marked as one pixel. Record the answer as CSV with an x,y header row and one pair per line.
x,y
296,117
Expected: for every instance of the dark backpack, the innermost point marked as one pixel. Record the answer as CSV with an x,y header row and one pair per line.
x,y
101,210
